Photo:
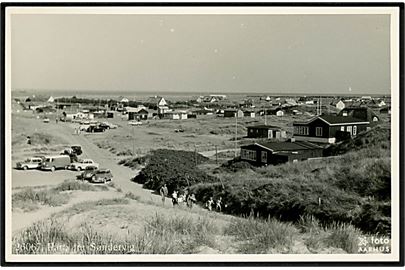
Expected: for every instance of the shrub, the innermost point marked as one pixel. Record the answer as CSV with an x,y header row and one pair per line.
x,y
78,185
175,168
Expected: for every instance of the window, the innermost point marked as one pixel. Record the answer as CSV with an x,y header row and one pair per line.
x,y
354,130
248,154
301,130
349,129
318,131
264,157
342,128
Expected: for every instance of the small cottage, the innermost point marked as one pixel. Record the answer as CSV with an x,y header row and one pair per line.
x,y
279,152
329,128
233,113
266,131
137,113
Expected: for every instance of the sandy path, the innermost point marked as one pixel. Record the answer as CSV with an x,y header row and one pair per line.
x,y
121,174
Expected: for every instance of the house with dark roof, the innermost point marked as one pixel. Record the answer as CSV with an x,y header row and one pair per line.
x,y
329,128
362,113
266,131
233,113
279,152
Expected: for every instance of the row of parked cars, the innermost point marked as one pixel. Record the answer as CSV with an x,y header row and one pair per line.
x,y
91,170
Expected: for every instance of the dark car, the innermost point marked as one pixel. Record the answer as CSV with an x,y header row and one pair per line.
x,y
102,176
88,173
97,128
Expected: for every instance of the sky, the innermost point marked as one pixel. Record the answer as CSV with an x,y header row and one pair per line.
x,y
329,54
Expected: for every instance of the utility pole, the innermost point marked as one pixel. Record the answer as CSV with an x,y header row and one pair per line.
x,y
195,155
216,154
133,140
236,132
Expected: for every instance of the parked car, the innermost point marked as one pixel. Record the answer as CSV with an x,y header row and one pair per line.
x,y
134,123
46,120
82,164
88,173
30,163
108,125
97,128
55,162
102,176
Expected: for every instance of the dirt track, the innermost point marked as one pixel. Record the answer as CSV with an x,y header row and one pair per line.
x,y
106,159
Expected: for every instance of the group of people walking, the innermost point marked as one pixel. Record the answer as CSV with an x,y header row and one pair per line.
x,y
185,198
188,198
214,205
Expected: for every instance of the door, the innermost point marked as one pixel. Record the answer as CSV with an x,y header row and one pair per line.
x,y
264,157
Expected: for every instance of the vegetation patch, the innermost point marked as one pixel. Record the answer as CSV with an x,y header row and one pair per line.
x,y
175,168
352,188
262,236
173,235
30,199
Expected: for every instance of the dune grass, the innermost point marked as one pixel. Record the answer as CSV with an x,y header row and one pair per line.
x,y
160,235
262,236
30,198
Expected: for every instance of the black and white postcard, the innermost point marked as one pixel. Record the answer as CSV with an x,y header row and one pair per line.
x,y
181,133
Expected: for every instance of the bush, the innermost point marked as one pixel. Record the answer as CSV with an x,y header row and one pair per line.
x,y
78,185
175,168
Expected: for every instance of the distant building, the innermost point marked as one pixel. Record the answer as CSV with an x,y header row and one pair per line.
x,y
266,131
51,99
340,105
175,115
233,113
155,102
275,111
124,100
279,152
137,113
204,112
250,114
386,110
362,113
329,128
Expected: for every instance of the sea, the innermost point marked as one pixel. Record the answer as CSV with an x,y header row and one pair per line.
x,y
177,95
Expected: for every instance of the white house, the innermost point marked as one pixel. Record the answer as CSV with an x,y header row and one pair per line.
x,y
340,105
51,99
124,100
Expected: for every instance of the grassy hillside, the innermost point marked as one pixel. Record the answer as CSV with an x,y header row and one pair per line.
x,y
352,188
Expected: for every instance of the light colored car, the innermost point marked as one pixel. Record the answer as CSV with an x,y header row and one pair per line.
x,y
30,163
46,120
134,123
82,164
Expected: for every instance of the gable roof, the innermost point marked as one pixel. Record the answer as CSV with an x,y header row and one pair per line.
x,y
335,120
288,146
264,127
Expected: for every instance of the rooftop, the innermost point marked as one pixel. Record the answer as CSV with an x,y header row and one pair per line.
x,y
288,146
264,126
